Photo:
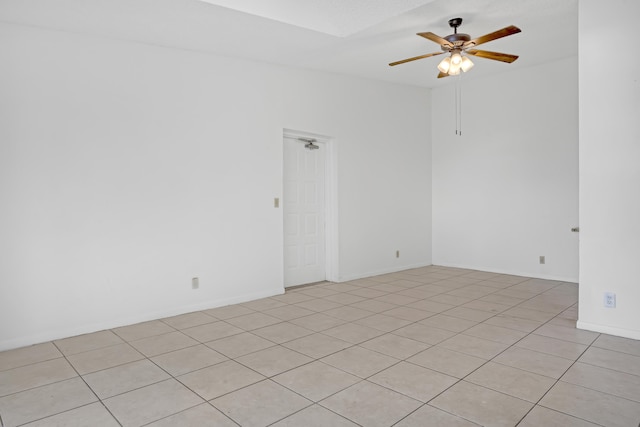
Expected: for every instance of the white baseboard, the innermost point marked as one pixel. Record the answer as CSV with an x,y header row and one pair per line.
x,y
379,272
634,334
512,272
51,335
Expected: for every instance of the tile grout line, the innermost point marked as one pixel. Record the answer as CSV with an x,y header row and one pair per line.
x,y
383,332
88,386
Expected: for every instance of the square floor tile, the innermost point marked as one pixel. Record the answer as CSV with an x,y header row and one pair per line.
x,y
395,346
27,355
516,323
87,342
348,313
189,320
360,361
382,322
41,402
370,405
604,380
212,331
35,375
318,304
124,378
228,311
260,404
104,358
94,415
446,361
614,360
424,333
567,334
514,382
451,300
495,333
481,405
318,322
239,345
609,342
541,416
367,293
469,314
344,298
408,313
188,359
160,344
282,332
502,299
353,333
396,299
203,415
414,381
317,291
534,361
491,307
263,304
453,324
315,416
252,321
528,314
151,403
591,405
288,312
143,330
220,379
555,347
273,360
317,345
473,346
428,416
316,380
374,306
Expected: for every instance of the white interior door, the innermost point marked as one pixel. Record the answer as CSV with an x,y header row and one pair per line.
x,y
304,213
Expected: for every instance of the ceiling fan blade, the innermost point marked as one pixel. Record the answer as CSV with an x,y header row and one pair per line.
x,y
415,58
441,75
506,31
435,38
496,56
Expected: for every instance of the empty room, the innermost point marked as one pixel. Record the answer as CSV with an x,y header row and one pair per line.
x,y
310,213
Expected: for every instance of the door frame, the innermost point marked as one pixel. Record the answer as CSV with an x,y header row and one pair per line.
x,y
330,200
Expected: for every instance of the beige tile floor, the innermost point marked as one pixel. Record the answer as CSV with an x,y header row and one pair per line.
x,y
432,346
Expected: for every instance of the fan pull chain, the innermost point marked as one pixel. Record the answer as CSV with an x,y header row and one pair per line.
x,y
458,106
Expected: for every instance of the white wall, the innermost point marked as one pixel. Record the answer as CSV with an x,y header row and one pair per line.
x,y
127,169
609,171
506,191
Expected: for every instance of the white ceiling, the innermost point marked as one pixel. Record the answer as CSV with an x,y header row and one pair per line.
x,y
354,37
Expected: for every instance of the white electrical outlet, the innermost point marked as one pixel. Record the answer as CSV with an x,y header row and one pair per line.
x,y
195,283
542,260
397,254
610,300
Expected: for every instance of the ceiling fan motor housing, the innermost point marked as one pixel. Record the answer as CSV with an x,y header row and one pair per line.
x,y
457,40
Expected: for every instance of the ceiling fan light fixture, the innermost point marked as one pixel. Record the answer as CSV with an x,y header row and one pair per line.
x,y
456,58
466,64
454,70
444,65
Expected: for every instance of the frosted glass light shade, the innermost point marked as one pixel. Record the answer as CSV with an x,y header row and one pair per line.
x,y
454,69
444,65
456,58
466,64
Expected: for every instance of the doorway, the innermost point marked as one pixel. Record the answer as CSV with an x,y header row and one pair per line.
x,y
308,208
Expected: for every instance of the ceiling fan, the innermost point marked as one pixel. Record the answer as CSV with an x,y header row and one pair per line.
x,y
458,43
